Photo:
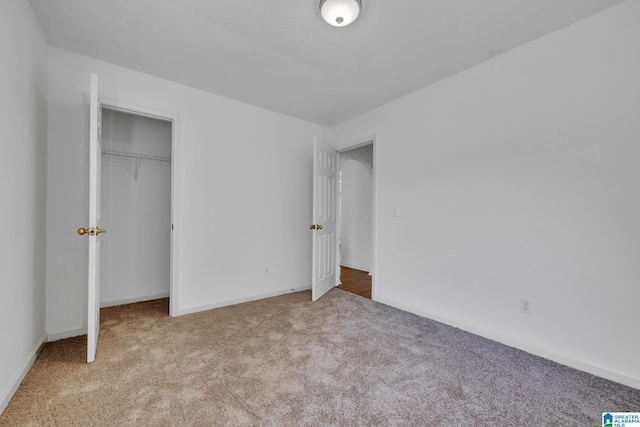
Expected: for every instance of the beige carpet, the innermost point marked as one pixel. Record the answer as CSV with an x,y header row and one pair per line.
x,y
285,361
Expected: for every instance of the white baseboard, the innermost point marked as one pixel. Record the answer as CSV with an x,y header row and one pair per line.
x,y
61,335
28,363
226,303
133,300
354,266
546,353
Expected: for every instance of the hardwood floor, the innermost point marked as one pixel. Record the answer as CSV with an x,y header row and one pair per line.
x,y
355,281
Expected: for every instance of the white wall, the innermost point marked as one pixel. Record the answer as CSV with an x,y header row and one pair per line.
x,y
23,150
356,205
244,185
515,179
135,210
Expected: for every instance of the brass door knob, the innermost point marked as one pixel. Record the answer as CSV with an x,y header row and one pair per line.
x,y
91,231
312,226
319,226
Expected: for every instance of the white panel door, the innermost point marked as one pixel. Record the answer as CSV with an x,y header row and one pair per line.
x,y
93,282
323,226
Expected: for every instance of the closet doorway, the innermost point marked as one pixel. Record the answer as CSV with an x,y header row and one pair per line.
x,y
136,207
356,219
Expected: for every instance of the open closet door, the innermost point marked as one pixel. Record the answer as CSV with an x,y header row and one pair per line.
x,y
94,230
324,261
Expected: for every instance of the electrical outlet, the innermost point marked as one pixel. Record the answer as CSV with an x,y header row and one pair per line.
x,y
267,270
525,305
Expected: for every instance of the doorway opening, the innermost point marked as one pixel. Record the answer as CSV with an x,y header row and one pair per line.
x,y
136,207
356,219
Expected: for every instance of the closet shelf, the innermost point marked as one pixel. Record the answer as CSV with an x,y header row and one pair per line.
x,y
135,155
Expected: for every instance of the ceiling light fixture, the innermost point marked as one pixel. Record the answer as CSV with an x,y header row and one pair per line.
x,y
340,13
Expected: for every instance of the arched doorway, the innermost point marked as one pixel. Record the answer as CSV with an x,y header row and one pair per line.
x,y
356,219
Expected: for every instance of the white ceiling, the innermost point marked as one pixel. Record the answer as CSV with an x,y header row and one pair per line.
x,y
281,55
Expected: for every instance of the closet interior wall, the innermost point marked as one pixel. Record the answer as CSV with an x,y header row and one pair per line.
x,y
136,208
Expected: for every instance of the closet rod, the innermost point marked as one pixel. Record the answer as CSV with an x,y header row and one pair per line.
x,y
135,155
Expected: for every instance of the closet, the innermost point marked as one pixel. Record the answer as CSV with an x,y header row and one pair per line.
x,y
135,207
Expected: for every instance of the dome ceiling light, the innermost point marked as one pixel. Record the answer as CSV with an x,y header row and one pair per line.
x,y
340,13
